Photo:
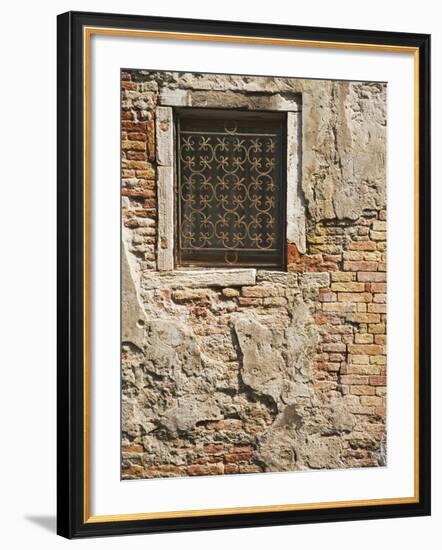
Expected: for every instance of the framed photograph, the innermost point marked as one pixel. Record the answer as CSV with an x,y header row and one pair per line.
x,y
243,274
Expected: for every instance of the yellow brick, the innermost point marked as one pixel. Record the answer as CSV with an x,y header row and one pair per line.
x,y
358,359
353,255
133,145
377,328
379,226
378,235
354,297
363,338
341,276
377,308
349,286
341,307
363,317
373,256
362,369
362,390
378,360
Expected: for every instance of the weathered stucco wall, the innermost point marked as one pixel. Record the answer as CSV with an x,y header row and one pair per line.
x,y
285,372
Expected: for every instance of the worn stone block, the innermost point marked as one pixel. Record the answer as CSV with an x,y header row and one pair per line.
x,y
165,212
164,136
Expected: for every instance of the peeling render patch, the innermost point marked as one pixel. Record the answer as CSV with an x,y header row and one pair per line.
x,y
262,367
228,371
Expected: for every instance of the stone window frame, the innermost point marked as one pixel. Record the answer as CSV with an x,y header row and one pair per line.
x,y
290,103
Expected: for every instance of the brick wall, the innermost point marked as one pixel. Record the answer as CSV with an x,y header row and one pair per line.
x,y
138,185
192,401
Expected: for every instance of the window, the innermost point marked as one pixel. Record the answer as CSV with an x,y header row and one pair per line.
x,y
231,188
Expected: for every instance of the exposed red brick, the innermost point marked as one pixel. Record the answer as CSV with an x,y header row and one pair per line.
x,y
133,448
326,296
292,253
365,349
131,126
371,276
362,245
360,266
237,457
378,380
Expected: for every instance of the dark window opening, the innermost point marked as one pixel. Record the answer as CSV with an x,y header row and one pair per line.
x,y
231,187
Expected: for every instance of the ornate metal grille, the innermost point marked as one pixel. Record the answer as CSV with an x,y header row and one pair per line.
x,y
231,189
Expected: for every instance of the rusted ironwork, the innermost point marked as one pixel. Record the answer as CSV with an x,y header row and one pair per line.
x,y
231,189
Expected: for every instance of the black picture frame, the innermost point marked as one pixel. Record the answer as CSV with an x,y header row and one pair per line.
x,y
72,393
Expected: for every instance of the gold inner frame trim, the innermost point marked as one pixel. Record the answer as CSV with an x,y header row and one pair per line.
x,y
87,34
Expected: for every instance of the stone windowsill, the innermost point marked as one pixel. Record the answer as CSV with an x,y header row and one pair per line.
x,y
213,277
222,278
